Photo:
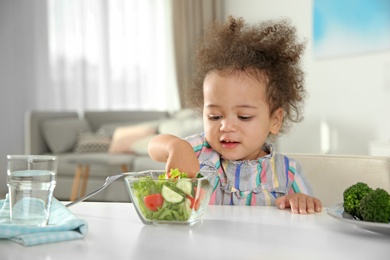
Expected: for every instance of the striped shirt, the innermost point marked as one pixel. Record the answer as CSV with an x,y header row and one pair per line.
x,y
250,182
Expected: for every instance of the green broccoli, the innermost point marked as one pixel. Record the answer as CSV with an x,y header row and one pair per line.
x,y
375,206
352,196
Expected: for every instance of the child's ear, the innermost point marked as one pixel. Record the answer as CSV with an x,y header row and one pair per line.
x,y
276,120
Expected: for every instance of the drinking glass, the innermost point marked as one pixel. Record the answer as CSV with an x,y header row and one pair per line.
x,y
31,180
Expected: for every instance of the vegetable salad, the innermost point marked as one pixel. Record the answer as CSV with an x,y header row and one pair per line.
x,y
172,197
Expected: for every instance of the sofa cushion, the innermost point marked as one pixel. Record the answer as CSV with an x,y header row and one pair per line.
x,y
96,119
92,142
125,137
61,134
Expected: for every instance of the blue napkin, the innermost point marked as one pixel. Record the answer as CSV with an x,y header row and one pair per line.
x,y
63,225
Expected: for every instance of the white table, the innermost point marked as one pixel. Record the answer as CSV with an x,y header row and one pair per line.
x,y
227,232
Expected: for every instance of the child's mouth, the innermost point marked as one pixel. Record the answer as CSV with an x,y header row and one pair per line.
x,y
229,144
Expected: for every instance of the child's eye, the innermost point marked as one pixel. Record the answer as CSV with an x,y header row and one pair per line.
x,y
245,118
214,117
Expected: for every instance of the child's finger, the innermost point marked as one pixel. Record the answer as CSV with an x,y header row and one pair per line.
x,y
281,202
317,205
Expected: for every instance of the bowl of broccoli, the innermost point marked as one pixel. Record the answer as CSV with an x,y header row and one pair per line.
x,y
364,207
367,204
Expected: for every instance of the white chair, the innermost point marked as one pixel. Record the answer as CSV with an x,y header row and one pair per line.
x,y
330,175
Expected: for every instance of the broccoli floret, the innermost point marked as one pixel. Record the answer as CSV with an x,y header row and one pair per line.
x,y
352,196
375,206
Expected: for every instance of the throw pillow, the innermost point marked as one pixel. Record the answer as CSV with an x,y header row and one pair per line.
x,y
92,143
124,137
61,134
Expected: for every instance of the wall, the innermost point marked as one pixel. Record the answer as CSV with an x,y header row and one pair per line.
x,y
20,67
348,104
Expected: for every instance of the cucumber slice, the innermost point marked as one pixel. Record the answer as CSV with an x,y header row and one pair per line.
x,y
187,208
186,187
170,195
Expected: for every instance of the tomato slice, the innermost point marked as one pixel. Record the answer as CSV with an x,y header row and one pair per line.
x,y
154,201
197,204
192,200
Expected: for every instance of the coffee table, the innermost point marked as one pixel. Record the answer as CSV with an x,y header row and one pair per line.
x,y
83,165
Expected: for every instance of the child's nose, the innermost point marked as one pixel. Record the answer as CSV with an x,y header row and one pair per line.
x,y
227,125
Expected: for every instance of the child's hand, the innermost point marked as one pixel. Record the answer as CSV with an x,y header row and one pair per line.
x,y
185,162
299,203
175,152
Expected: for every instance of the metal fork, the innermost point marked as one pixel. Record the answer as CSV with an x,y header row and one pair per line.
x,y
109,180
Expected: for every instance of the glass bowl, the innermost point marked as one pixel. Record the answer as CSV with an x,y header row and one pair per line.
x,y
169,201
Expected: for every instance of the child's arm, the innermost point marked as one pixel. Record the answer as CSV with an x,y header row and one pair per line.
x,y
176,152
299,203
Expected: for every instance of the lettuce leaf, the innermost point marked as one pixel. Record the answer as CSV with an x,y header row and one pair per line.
x,y
174,174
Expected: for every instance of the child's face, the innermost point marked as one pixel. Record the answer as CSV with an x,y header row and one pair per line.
x,y
237,116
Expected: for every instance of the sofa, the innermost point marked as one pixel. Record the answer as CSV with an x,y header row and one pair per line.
x,y
104,141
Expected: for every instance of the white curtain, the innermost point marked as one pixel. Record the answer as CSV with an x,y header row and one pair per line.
x,y
191,17
111,54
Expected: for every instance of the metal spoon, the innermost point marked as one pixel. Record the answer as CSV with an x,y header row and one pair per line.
x,y
109,180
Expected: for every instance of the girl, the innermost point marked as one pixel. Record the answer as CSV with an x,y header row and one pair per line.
x,y
249,85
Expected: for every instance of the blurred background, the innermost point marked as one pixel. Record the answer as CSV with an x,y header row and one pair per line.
x,y
134,54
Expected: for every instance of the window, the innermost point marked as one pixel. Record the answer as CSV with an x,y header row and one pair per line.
x,y
114,54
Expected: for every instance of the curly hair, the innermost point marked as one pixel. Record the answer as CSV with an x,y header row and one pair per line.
x,y
269,49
